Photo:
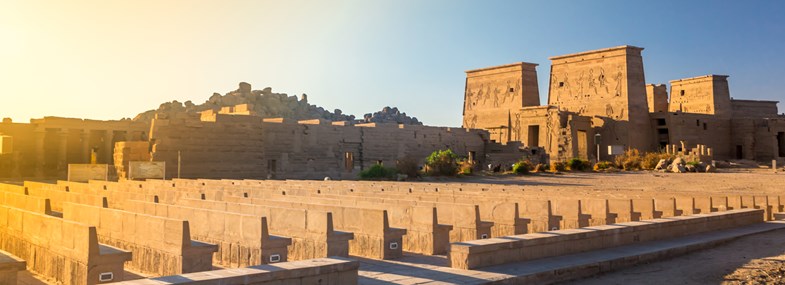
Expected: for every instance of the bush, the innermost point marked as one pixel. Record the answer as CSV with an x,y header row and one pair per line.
x,y
694,163
378,172
522,167
465,167
630,160
577,164
442,162
408,166
558,166
603,165
650,159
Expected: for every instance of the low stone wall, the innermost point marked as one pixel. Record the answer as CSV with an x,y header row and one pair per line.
x,y
61,251
243,240
495,251
160,246
324,271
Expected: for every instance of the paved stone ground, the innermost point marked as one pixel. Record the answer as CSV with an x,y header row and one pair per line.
x,y
27,278
416,269
755,259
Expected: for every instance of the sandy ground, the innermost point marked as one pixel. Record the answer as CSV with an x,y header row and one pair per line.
x,y
642,183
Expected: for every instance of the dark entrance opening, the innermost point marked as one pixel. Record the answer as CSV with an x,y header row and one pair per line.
x,y
781,144
739,152
534,136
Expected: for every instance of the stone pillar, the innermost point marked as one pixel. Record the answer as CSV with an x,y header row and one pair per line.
x,y
40,158
109,146
62,157
85,137
703,149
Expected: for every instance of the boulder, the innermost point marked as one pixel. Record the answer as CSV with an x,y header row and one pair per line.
x,y
710,168
690,168
679,161
678,168
661,165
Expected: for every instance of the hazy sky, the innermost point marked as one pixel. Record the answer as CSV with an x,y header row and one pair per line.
x,y
112,59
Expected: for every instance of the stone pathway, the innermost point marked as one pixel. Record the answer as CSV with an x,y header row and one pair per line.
x,y
418,269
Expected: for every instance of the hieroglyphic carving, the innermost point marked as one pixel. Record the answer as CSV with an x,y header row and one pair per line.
x,y
591,92
517,126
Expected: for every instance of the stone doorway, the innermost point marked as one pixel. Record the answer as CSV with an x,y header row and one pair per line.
x,y
583,146
534,136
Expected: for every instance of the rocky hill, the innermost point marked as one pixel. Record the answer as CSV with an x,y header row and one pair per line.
x,y
266,104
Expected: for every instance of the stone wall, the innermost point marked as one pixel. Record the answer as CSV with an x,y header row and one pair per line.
x,y
609,86
754,108
657,95
226,146
235,146
493,94
45,147
707,94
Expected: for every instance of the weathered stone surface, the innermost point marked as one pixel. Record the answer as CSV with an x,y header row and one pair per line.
x,y
678,168
662,164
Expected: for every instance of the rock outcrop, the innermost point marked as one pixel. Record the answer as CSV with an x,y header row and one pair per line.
x,y
390,115
266,104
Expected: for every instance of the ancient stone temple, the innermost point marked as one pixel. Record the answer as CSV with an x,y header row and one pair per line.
x,y
599,100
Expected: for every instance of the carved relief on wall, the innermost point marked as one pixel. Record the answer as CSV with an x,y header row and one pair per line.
x,y
517,126
590,83
470,121
487,94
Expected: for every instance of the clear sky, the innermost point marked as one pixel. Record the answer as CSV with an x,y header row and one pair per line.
x,y
112,59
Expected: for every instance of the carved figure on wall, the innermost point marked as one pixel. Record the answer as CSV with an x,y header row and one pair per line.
x,y
602,82
496,95
517,127
592,83
482,95
548,129
470,121
608,110
469,99
579,82
618,77
567,87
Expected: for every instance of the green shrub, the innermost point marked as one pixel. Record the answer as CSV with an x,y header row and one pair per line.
x,y
693,163
442,162
558,166
522,167
603,165
577,164
378,172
